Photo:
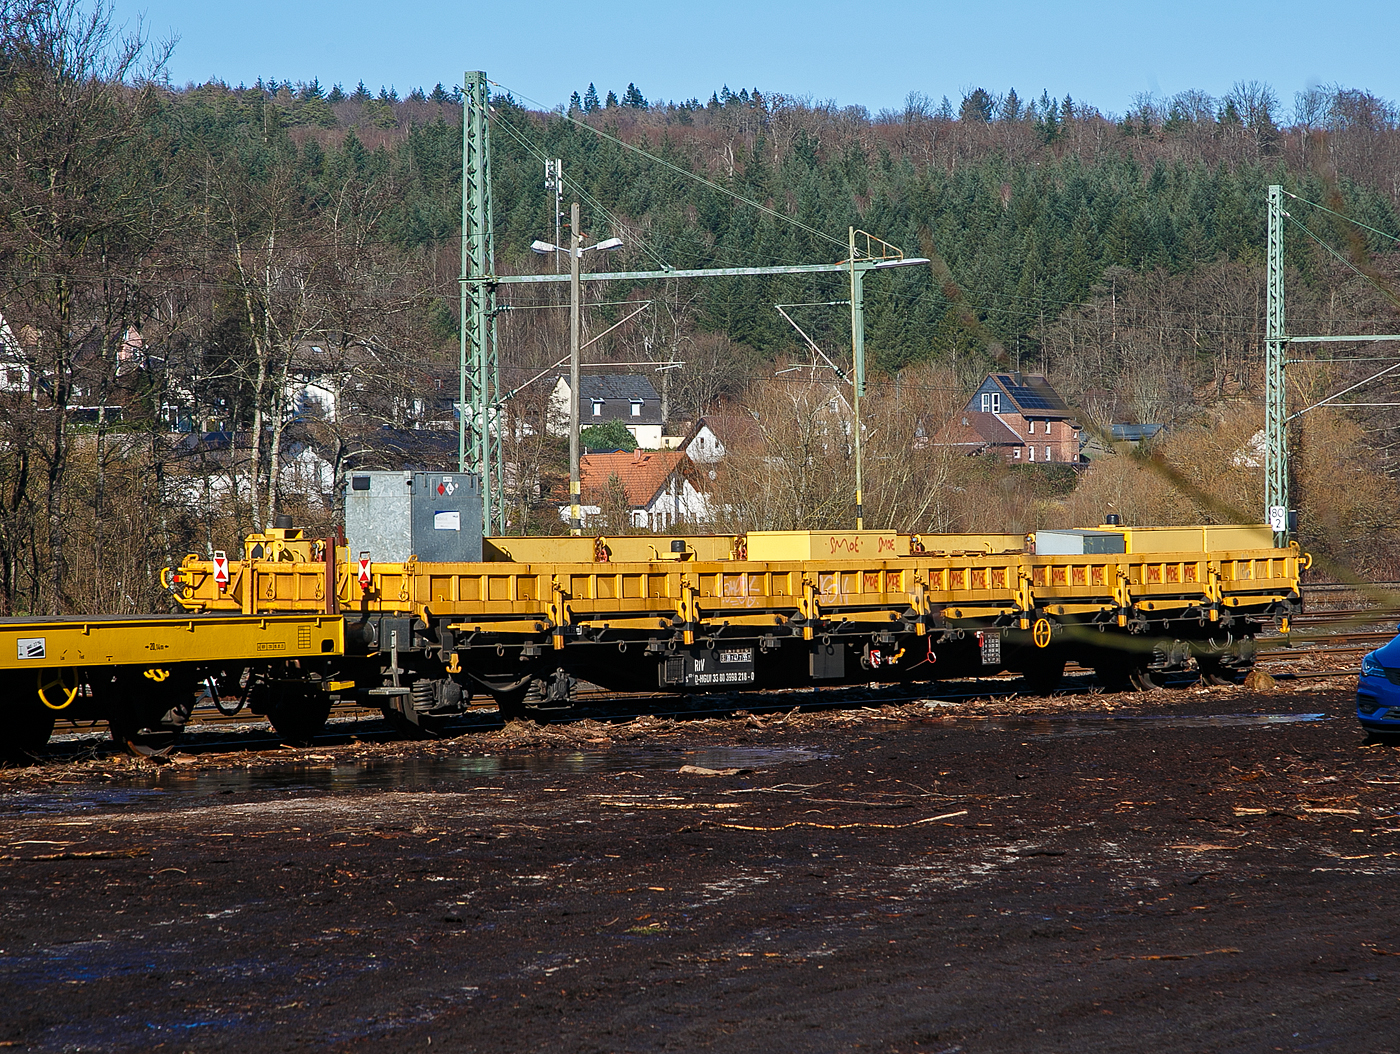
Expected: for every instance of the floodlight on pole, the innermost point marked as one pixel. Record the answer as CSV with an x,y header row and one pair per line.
x,y
543,248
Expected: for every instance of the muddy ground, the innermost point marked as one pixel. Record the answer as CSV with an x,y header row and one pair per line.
x,y
1082,873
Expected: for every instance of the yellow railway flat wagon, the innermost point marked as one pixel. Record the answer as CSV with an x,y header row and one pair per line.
x,y
292,623
769,609
142,673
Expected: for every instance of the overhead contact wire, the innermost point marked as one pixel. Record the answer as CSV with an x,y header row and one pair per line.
x,y
686,172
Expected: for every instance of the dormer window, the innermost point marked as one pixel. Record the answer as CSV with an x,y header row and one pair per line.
x,y
597,407
636,408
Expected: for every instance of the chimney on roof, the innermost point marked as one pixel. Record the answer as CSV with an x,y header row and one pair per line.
x,y
637,456
1016,378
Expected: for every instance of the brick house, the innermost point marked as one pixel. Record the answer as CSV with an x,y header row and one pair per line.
x,y
1022,418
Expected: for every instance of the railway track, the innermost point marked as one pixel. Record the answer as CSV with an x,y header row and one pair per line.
x,y
1310,639
367,724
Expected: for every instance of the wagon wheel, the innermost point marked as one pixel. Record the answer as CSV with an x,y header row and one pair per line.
x,y
1045,676
296,710
301,716
512,702
1143,679
1122,675
1213,671
147,712
29,724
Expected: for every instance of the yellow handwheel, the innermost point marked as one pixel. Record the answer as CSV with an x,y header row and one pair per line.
x,y
1040,633
50,679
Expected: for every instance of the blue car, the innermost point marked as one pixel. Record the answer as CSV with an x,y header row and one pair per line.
x,y
1378,691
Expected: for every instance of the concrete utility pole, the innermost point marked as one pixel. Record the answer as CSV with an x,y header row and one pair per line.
x,y
857,361
575,336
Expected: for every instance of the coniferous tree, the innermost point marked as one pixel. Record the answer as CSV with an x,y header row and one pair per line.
x,y
336,94
611,101
361,93
439,94
590,99
977,106
575,104
634,98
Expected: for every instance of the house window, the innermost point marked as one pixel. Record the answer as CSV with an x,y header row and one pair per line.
x,y
1032,450
1031,423
636,408
1047,454
1018,453
991,402
597,407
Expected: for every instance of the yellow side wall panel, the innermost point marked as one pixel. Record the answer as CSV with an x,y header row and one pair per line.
x,y
625,549
992,544
156,641
1205,539
826,545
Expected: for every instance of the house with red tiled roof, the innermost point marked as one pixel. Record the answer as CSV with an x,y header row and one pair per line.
x,y
658,486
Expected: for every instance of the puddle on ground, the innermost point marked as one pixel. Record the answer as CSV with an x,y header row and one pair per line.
x,y
1105,724
169,785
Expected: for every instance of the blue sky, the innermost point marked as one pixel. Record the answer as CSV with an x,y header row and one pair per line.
x,y
871,54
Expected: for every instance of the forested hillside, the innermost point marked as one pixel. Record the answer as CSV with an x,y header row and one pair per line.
x,y
181,254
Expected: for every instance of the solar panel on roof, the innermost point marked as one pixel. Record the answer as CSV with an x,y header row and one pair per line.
x,y
1030,399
